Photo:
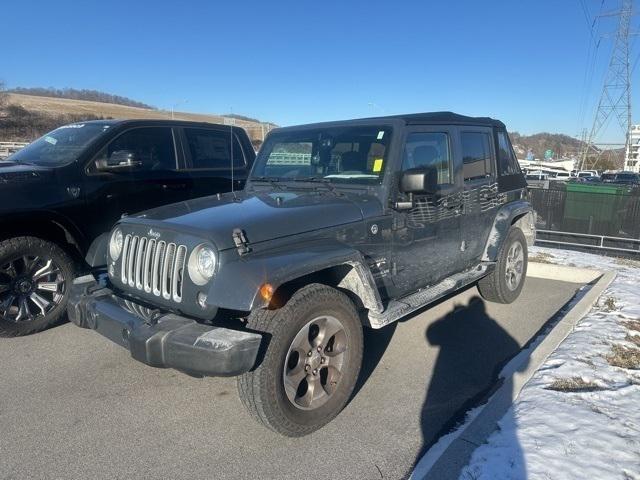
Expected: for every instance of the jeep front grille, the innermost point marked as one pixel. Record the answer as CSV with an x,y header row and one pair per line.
x,y
153,266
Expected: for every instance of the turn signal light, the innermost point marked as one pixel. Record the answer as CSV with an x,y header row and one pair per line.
x,y
266,292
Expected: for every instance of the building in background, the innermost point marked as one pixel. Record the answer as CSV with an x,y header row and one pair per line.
x,y
632,155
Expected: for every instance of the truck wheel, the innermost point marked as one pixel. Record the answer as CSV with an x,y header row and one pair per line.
x,y
35,276
311,364
505,283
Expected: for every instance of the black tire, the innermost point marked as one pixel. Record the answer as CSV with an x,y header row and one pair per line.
x,y
263,390
23,276
496,287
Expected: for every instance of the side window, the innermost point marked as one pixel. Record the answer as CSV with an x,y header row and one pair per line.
x,y
152,147
476,155
507,162
429,149
211,149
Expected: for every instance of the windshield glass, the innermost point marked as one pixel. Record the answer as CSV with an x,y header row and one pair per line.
x,y
61,146
354,155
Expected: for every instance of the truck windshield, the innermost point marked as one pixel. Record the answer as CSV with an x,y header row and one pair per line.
x,y
353,155
61,146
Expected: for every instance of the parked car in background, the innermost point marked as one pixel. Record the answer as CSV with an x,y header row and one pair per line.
x,y
341,224
59,194
588,173
562,176
627,178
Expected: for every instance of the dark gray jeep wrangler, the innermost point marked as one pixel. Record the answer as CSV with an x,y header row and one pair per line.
x,y
341,225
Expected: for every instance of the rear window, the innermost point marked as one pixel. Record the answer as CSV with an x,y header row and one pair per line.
x,y
476,155
211,149
507,162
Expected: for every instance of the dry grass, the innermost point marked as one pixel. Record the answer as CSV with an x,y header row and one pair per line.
x,y
573,384
624,357
542,257
609,304
635,339
628,262
631,325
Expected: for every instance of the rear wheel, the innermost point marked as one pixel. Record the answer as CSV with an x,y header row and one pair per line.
x,y
505,283
35,276
311,365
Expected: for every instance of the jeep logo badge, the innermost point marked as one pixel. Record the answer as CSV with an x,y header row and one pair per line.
x,y
153,233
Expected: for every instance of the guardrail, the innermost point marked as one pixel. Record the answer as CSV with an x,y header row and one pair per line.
x,y
597,242
7,148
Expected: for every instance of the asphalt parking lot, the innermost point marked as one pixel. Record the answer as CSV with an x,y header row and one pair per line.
x,y
73,405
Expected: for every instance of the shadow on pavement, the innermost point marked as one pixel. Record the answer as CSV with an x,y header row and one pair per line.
x,y
473,348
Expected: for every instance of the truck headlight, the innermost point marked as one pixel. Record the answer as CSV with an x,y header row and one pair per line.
x,y
202,264
115,244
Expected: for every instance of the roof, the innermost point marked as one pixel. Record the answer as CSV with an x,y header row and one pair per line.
x,y
427,118
155,121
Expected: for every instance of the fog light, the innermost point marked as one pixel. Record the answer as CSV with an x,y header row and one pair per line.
x,y
202,300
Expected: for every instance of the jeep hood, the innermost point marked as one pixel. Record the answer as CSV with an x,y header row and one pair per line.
x,y
11,172
262,216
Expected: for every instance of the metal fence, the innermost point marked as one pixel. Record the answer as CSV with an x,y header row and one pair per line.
x,y
597,217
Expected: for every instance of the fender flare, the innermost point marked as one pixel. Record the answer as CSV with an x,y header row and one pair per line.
x,y
237,284
520,213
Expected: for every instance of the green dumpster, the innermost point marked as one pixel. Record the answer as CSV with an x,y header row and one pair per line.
x,y
595,208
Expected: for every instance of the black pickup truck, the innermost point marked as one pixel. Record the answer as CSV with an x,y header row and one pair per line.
x,y
60,194
341,225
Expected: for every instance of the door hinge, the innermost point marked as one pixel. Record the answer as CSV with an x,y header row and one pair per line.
x,y
240,241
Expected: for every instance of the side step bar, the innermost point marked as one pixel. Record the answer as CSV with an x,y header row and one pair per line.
x,y
396,309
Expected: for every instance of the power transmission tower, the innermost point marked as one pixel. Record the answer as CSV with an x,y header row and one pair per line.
x,y
615,101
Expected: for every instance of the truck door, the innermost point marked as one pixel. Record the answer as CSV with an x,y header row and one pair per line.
x,y
481,197
208,154
153,180
426,240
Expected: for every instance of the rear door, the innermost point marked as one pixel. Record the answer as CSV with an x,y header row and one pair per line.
x,y
215,160
480,190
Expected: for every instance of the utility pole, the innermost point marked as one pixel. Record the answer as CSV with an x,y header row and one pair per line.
x,y
615,100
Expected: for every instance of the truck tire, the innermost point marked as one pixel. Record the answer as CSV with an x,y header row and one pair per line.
x,y
35,276
311,364
505,282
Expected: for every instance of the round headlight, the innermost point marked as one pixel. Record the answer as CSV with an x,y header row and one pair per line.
x,y
115,244
202,264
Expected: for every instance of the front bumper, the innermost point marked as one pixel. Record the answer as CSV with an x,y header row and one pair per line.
x,y
167,341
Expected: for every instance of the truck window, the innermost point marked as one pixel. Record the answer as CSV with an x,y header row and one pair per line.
x,y
153,146
477,157
429,149
210,149
507,162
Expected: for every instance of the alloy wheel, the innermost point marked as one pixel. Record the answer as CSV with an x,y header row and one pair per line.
x,y
514,265
314,363
31,286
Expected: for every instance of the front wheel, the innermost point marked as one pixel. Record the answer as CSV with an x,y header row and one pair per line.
x,y
35,276
311,365
505,283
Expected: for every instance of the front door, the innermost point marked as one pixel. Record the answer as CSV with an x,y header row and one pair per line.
x,y
155,180
426,240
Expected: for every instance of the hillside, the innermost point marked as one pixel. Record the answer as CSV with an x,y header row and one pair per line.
x,y
84,94
26,117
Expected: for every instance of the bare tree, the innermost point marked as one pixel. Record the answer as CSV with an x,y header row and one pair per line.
x,y
3,94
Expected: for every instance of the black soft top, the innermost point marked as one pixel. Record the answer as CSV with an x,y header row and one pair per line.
x,y
427,118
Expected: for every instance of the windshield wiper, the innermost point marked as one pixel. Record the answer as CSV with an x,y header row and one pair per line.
x,y
273,181
324,181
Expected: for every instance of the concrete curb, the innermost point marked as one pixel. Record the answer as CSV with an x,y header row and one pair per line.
x,y
452,453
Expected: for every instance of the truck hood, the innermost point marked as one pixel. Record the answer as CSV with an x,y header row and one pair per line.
x,y
11,172
262,216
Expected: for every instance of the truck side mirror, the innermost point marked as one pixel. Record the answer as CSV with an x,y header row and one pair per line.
x,y
419,180
121,160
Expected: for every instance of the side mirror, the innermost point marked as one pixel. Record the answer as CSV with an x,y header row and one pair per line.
x,y
419,180
121,160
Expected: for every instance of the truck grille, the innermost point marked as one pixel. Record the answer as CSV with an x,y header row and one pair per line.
x,y
153,266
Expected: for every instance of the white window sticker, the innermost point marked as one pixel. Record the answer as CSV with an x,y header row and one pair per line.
x,y
50,140
380,134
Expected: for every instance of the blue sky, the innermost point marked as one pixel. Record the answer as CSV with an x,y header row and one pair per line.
x,y
522,61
